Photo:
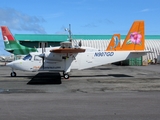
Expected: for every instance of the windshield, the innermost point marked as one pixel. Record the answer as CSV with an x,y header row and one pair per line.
x,y
27,57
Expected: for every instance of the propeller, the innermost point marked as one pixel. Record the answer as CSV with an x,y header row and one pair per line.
x,y
43,54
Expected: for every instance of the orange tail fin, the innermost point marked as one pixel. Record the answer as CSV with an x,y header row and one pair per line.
x,y
114,43
7,35
135,37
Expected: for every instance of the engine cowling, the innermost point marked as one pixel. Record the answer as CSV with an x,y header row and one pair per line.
x,y
53,56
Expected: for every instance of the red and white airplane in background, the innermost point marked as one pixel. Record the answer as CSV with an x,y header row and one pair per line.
x,y
67,57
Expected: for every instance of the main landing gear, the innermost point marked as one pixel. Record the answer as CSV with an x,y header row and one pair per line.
x,y
65,75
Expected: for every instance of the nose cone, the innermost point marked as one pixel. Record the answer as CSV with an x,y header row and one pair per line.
x,y
10,64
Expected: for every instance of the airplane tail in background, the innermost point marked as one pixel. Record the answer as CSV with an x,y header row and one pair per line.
x,y
135,38
7,38
7,35
114,43
12,46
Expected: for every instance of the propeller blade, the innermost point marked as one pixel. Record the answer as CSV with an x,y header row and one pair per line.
x,y
43,54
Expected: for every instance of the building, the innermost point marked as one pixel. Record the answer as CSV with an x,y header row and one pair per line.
x,y
98,41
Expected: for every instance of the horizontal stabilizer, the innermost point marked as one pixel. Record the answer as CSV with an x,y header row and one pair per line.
x,y
145,51
10,50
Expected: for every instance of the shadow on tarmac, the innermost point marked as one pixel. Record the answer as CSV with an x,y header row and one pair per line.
x,y
113,75
28,77
45,78
100,69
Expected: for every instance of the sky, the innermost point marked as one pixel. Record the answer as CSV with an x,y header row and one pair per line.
x,y
90,17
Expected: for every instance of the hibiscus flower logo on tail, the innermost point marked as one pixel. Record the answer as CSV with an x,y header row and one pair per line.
x,y
135,38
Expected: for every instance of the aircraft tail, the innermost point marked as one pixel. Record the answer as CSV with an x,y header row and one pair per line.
x,y
135,38
114,43
8,38
7,35
12,46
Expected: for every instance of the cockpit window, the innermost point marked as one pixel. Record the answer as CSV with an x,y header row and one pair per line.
x,y
27,57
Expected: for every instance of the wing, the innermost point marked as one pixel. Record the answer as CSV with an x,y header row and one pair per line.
x,y
68,50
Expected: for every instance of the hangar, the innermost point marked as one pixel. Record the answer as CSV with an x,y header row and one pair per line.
x,y
97,41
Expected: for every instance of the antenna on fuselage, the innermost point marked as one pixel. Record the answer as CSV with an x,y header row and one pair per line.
x,y
70,33
70,38
67,44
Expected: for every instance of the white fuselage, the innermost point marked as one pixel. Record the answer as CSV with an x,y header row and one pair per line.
x,y
55,62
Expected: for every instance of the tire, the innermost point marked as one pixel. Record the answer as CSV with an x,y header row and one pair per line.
x,y
13,74
66,76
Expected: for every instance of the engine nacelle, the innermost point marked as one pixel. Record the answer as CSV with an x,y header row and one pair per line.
x,y
53,56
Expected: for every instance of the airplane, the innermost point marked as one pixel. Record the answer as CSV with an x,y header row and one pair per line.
x,y
13,46
115,43
67,57
7,58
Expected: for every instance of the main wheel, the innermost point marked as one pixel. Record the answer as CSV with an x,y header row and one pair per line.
x,y
13,74
66,76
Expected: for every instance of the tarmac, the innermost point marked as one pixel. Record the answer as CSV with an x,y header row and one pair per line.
x,y
106,92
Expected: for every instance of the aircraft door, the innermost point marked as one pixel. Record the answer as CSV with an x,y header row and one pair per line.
x,y
37,63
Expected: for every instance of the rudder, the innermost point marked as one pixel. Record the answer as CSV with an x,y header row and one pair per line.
x,y
7,38
114,43
6,33
135,37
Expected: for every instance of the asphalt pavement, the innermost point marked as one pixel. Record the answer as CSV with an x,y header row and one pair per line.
x,y
102,93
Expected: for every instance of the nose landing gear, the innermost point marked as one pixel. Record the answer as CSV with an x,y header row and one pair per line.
x,y
13,74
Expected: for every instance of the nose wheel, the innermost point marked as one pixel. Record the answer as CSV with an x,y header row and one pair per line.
x,y
13,74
